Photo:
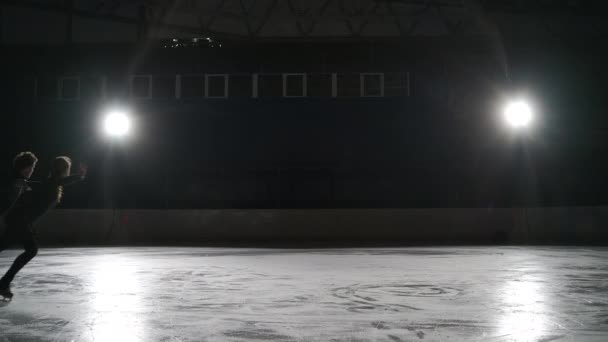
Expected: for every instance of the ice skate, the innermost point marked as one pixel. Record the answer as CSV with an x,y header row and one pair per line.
x,y
6,294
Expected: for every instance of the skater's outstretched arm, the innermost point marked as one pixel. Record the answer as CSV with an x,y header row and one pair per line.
x,y
82,173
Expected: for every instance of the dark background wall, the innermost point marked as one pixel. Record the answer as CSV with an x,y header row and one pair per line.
x,y
325,227
442,146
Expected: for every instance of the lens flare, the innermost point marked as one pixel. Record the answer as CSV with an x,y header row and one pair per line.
x,y
117,124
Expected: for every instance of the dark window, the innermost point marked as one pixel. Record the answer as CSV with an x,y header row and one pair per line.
x,y
192,86
163,87
140,86
217,86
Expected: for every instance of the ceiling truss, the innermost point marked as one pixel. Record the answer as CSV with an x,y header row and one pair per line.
x,y
256,19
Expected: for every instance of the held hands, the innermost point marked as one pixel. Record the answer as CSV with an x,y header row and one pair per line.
x,y
82,169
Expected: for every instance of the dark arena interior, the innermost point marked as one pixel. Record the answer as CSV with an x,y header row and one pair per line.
x,y
304,170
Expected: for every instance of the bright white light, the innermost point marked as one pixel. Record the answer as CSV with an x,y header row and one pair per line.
x,y
117,123
115,302
524,315
518,114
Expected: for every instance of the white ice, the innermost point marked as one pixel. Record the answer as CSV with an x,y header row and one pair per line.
x,y
219,294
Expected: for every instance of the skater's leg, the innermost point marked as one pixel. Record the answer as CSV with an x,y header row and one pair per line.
x,y
31,249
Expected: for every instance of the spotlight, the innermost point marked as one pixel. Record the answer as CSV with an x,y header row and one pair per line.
x,y
518,114
117,123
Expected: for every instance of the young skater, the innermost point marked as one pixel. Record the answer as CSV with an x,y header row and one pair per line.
x,y
13,202
21,218
23,167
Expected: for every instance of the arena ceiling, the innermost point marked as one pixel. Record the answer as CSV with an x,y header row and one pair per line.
x,y
263,19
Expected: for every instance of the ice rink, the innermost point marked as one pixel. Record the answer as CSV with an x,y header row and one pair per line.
x,y
385,294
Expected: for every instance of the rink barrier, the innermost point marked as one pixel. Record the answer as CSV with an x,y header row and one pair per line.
x,y
578,225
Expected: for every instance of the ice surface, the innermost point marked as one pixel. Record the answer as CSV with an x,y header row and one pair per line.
x,y
218,294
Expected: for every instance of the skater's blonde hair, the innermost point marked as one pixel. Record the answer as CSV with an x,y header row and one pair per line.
x,y
61,168
24,160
